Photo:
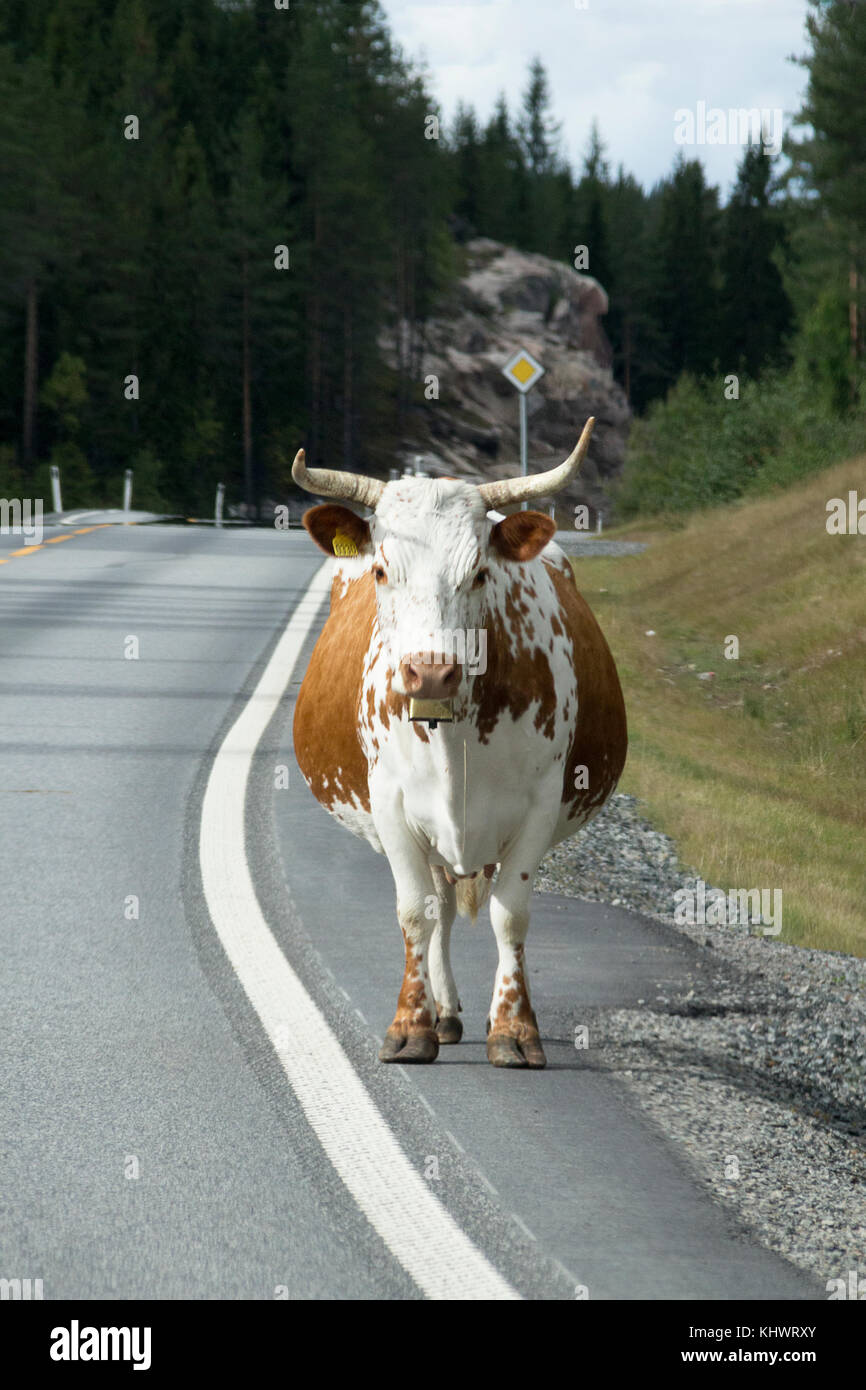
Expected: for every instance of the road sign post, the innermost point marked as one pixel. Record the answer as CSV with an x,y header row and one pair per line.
x,y
127,489
523,371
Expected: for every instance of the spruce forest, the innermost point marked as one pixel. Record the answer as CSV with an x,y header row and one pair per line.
x,y
213,214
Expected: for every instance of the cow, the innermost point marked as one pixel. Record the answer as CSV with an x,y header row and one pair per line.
x,y
456,769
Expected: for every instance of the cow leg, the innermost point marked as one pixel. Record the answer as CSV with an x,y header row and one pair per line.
x,y
412,1036
512,1038
512,1028
449,1028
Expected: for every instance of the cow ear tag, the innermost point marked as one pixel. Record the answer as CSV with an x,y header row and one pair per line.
x,y
343,545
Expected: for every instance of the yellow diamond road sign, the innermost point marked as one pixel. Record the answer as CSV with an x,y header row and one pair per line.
x,y
522,370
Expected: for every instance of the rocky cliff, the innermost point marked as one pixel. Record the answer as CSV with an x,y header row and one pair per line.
x,y
507,300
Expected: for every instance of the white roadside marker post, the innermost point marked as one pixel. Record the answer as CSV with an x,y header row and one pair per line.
x,y
56,499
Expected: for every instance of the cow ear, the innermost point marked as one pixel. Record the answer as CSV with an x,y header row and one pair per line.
x,y
522,535
337,531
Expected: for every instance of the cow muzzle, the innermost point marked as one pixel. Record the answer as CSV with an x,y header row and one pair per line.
x,y
426,680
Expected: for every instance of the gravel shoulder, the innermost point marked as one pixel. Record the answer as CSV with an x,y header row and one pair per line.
x,y
579,543
756,1069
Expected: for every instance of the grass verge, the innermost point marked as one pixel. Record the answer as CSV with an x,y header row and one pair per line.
x,y
758,770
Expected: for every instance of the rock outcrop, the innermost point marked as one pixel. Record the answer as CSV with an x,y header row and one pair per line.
x,y
507,300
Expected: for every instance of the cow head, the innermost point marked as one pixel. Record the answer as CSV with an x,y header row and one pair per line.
x,y
439,562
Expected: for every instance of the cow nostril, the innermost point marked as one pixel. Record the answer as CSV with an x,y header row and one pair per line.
x,y
449,676
411,677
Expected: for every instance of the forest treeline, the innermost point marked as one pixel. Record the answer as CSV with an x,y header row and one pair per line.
x,y
213,215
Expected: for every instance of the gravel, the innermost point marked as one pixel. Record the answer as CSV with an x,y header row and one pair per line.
x,y
577,543
756,1068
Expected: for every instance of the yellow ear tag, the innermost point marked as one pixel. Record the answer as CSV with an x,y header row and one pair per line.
x,y
343,545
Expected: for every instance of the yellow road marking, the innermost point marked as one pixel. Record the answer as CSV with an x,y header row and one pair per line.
x,y
53,540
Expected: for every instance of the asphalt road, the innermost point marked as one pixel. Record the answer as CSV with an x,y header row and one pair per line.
x,y
158,1137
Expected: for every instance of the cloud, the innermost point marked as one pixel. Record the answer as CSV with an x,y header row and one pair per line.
x,y
629,63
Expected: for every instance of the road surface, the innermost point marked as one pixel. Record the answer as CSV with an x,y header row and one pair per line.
x,y
198,964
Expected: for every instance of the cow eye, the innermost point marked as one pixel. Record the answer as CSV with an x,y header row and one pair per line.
x,y
379,574
480,578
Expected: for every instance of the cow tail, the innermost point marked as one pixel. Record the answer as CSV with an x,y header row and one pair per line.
x,y
472,894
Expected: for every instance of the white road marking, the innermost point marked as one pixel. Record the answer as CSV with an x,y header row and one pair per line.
x,y
399,1205
566,1273
487,1183
75,517
522,1224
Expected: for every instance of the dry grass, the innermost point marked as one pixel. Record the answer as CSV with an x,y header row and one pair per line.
x,y
759,773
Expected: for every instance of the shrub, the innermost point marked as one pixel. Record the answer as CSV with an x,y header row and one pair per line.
x,y
698,449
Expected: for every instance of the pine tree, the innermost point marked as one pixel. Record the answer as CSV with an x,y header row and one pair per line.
x,y
124,262
591,211
830,159
190,254
685,301
631,324
35,213
544,214
756,314
539,132
259,291
345,228
418,197
77,40
466,144
501,176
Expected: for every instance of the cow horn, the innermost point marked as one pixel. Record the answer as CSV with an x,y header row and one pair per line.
x,y
330,482
542,484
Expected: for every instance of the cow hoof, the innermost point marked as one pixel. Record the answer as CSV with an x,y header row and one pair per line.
x,y
411,1047
449,1029
506,1051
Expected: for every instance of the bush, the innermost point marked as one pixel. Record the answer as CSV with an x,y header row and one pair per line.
x,y
697,449
147,476
682,454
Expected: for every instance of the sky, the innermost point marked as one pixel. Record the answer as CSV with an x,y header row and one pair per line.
x,y
631,64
